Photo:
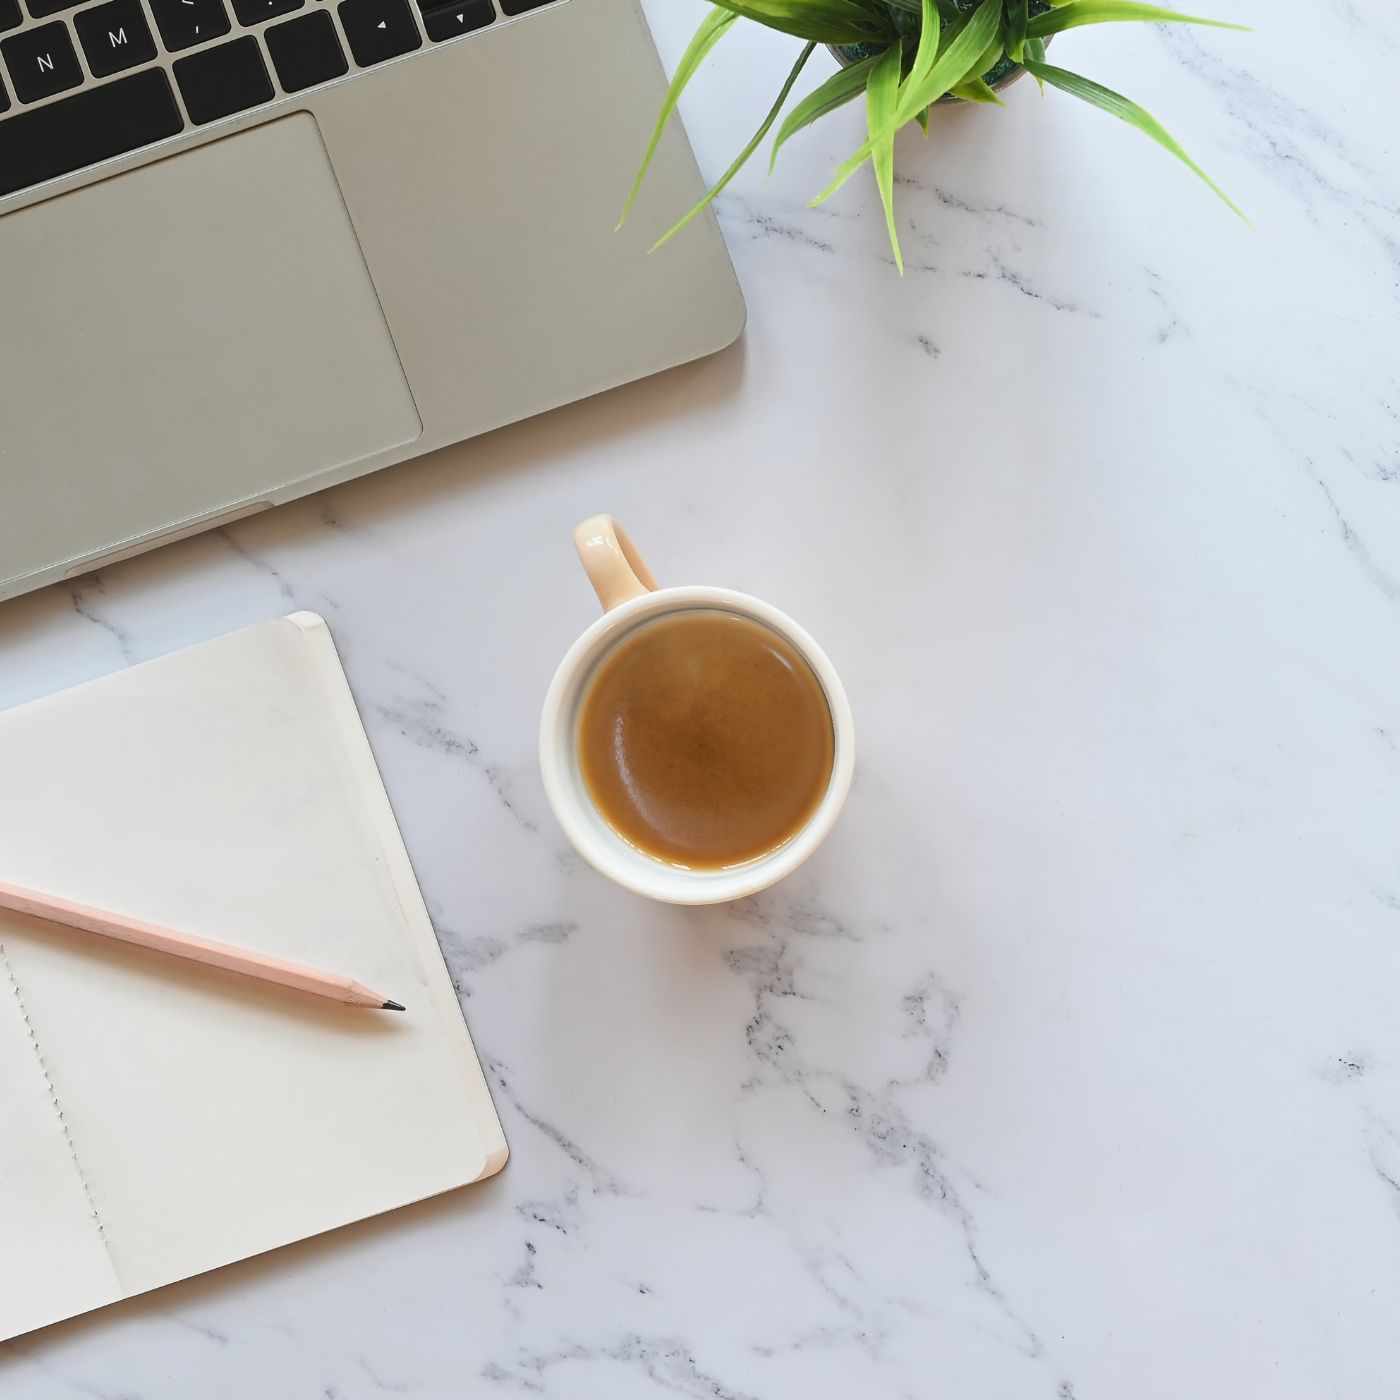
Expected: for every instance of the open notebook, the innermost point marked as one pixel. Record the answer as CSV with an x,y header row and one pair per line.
x,y
158,1119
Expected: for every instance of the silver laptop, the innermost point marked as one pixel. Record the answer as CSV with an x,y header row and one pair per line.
x,y
251,248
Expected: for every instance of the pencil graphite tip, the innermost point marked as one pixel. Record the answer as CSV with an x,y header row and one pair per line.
x,y
391,1006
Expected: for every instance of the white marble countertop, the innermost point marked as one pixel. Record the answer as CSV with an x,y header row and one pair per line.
x,y
1070,1069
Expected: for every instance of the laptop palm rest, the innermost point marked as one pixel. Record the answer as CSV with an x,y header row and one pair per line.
x,y
185,339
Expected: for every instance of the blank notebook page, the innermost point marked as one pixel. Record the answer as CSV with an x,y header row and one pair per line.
x,y
160,1119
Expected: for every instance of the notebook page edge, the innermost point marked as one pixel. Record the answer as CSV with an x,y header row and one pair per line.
x,y
326,673
417,921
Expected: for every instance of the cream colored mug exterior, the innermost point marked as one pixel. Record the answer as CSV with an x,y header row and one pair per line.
x,y
630,596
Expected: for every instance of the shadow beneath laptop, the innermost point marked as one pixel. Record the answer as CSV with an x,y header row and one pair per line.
x,y
183,579
555,440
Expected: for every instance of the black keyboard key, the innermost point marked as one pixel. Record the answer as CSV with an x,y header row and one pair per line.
x,y
223,80
378,29
115,36
81,130
448,21
184,23
40,8
4,98
518,7
305,52
255,11
10,17
42,62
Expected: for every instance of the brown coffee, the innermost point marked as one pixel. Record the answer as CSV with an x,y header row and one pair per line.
x,y
705,739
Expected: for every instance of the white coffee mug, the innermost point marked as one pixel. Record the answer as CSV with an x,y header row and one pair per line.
x,y
630,596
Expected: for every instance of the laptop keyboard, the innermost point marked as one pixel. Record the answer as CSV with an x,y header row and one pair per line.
x,y
83,83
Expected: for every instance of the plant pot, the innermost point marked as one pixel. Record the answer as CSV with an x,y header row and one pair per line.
x,y
1000,75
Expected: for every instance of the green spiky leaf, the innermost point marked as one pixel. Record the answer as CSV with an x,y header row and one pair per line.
x,y
1017,20
952,65
956,61
821,21
711,31
926,52
835,92
881,98
984,62
977,91
743,156
1072,13
1035,49
1115,104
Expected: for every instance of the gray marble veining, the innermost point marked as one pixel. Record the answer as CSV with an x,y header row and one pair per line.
x,y
1069,1070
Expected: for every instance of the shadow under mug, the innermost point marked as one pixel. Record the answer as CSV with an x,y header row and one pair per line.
x,y
630,597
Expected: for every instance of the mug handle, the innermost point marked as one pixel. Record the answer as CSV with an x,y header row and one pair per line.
x,y
610,559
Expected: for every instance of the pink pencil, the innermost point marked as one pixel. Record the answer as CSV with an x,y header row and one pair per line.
x,y
192,949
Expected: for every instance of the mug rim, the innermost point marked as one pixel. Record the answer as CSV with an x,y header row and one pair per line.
x,y
609,854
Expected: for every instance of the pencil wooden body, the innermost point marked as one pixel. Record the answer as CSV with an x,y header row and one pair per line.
x,y
184,945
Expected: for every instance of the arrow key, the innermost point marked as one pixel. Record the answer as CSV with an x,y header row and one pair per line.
x,y
448,21
378,29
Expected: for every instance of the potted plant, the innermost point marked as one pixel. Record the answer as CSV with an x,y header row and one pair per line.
x,y
905,56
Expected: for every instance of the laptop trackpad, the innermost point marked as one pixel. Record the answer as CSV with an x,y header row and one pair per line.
x,y
183,338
